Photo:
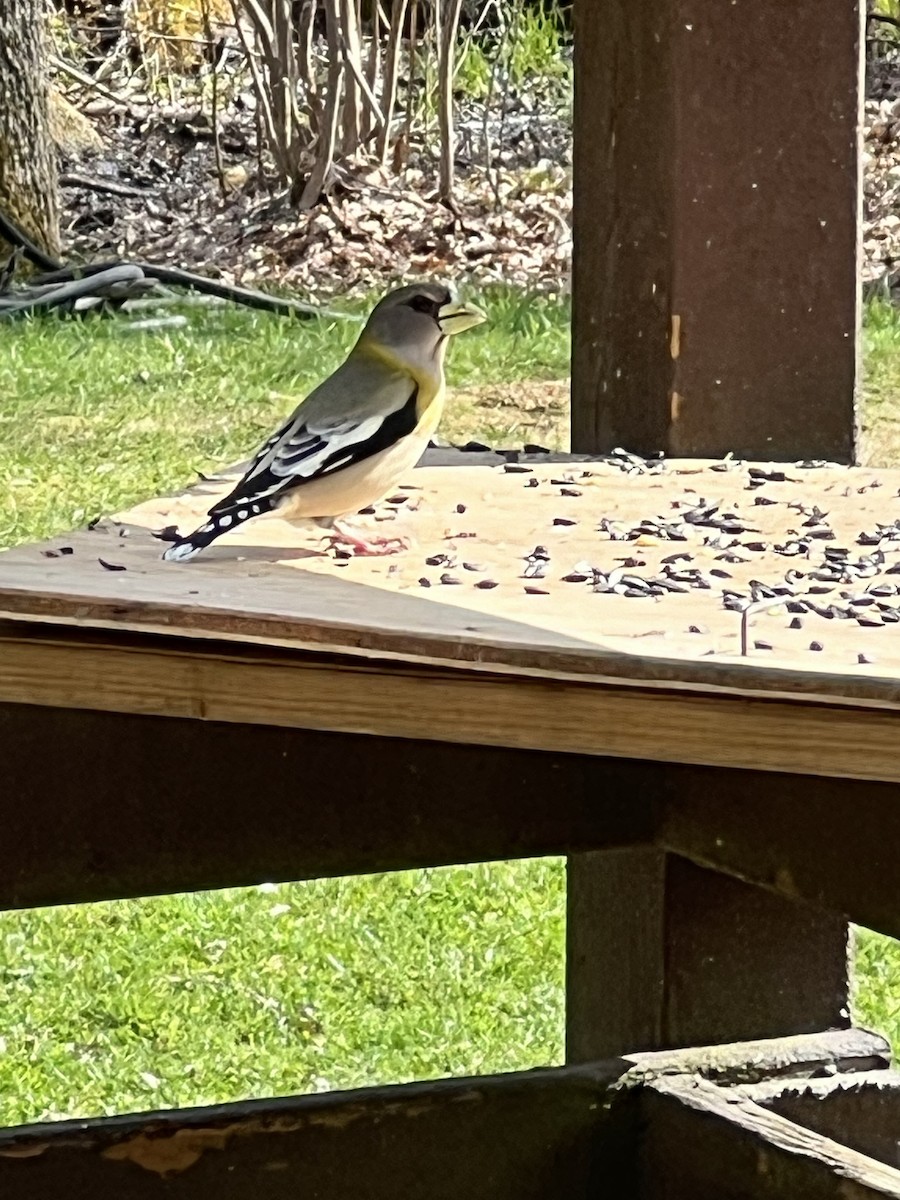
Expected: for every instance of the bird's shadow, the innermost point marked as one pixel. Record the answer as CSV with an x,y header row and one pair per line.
x,y
271,554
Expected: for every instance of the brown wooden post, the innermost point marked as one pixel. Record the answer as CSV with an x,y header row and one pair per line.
x,y
716,222
664,954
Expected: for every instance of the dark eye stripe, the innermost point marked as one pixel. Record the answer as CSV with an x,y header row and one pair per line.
x,y
424,304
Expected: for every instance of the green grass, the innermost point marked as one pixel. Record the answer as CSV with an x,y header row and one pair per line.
x,y
881,407
202,998
210,997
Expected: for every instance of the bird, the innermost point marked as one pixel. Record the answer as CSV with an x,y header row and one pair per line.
x,y
348,443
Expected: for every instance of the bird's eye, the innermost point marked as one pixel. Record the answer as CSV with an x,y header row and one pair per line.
x,y
423,304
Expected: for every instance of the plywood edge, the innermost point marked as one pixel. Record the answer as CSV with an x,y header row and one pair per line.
x,y
472,651
398,700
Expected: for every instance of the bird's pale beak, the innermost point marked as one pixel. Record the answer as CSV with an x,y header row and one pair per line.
x,y
456,318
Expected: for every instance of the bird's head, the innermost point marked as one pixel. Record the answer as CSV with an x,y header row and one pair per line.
x,y
413,323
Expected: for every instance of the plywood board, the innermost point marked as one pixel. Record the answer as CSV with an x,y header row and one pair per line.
x,y
608,569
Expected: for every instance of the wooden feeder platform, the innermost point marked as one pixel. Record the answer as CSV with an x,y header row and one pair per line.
x,y
684,675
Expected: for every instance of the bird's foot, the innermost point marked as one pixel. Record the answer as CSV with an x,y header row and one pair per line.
x,y
362,547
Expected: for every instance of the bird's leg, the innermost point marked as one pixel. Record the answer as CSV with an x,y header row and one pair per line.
x,y
375,545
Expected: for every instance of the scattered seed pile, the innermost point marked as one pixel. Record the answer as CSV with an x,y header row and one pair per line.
x,y
774,548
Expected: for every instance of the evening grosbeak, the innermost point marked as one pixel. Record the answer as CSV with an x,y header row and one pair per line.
x,y
352,439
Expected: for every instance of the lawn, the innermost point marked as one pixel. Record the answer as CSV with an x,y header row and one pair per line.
x,y
209,997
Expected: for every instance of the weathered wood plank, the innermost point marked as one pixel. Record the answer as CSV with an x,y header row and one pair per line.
x,y
754,1065
532,1136
622,226
716,210
172,677
702,1143
661,953
861,1111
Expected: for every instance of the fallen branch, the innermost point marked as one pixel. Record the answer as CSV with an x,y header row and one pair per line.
x,y
884,19
79,279
87,80
90,184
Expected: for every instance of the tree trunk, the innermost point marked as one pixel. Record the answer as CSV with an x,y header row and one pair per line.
x,y
29,193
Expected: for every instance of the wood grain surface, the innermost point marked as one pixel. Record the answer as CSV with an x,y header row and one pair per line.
x,y
222,683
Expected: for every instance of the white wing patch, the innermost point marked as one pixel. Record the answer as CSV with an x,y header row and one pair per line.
x,y
308,452
301,453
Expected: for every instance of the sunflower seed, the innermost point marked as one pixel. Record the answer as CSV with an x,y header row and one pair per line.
x,y
767,476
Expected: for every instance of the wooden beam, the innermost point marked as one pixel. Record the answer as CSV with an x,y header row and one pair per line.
x,y
716,219
704,1143
827,843
662,954
98,806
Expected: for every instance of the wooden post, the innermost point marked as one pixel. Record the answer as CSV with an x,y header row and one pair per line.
x,y
716,221
663,954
